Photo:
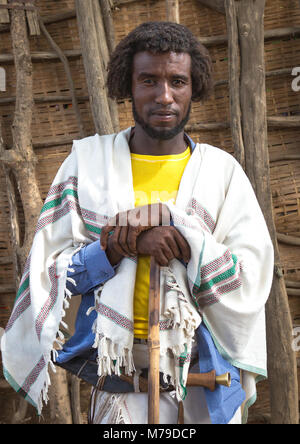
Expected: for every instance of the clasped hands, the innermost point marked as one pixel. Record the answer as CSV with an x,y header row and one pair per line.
x,y
144,230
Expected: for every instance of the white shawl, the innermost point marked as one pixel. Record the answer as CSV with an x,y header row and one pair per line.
x,y
227,280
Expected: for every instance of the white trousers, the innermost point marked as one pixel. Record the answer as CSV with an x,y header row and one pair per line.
x,y
132,408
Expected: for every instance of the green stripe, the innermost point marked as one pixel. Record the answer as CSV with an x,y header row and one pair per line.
x,y
17,388
181,363
55,202
198,277
23,287
93,228
221,277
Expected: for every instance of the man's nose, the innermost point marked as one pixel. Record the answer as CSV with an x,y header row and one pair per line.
x,y
164,94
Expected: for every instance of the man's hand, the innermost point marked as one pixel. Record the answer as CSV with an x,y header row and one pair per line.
x,y
128,225
164,243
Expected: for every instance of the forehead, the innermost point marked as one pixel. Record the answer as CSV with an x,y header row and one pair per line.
x,y
173,62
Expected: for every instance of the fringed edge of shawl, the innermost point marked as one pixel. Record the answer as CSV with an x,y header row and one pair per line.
x,y
59,338
111,357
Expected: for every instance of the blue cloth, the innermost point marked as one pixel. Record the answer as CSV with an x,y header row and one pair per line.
x,y
223,402
91,268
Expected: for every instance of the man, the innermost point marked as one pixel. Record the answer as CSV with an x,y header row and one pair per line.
x,y
148,191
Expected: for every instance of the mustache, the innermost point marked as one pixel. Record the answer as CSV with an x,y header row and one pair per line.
x,y
163,111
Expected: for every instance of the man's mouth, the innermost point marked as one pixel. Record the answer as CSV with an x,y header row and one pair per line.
x,y
164,115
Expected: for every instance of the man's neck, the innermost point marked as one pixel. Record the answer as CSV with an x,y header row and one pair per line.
x,y
141,143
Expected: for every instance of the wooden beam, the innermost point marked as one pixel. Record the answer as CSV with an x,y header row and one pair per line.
x,y
268,35
39,56
117,3
269,74
272,122
7,289
281,357
216,5
46,99
194,127
284,157
4,16
53,18
292,284
6,260
284,122
293,291
289,240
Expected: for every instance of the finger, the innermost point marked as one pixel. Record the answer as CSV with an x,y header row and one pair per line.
x,y
104,235
115,242
182,245
132,235
173,245
161,259
123,240
110,226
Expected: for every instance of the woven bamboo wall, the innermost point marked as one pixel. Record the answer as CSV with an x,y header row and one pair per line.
x,y
53,122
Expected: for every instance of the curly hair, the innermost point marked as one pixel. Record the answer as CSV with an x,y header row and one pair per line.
x,y
159,37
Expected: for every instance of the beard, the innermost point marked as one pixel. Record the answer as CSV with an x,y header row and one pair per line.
x,y
163,133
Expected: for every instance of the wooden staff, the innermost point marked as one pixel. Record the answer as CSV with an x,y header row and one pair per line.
x,y
154,343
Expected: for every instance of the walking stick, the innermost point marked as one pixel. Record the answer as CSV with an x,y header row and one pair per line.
x,y
153,343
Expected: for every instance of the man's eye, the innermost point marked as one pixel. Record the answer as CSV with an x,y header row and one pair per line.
x,y
148,81
178,82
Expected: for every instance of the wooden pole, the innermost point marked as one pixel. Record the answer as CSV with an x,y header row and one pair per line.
x,y
108,24
103,49
93,66
282,370
154,343
234,81
172,11
19,168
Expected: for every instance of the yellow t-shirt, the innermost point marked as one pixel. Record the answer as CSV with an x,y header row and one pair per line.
x,y
154,177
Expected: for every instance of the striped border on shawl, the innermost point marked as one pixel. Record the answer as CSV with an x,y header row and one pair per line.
x,y
165,325
22,301
61,199
50,302
93,222
19,309
221,276
17,388
216,265
114,316
209,222
181,361
58,188
32,377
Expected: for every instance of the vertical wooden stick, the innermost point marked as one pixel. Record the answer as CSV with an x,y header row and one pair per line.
x,y
154,343
234,81
282,370
172,10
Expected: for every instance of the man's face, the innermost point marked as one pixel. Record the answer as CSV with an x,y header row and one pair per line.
x,y
161,92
